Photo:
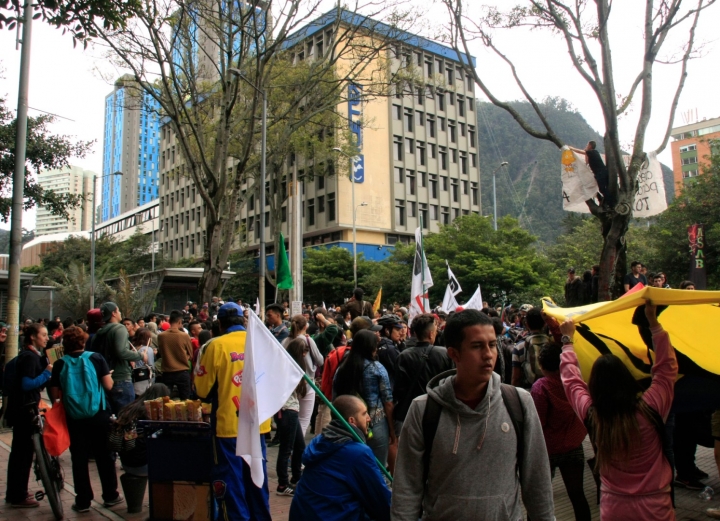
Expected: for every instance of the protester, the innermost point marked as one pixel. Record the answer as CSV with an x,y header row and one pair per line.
x,y
687,284
564,432
216,379
332,361
362,375
356,306
289,431
327,332
88,417
313,360
626,425
634,277
112,342
143,372
341,480
175,349
274,318
391,338
29,375
525,367
574,290
600,171
474,429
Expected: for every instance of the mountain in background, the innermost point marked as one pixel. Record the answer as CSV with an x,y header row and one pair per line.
x,y
530,187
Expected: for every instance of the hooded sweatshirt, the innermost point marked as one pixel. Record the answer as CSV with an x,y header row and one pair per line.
x,y
341,481
112,342
473,465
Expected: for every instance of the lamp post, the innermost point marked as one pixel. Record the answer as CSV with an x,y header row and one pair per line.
x,y
504,163
92,237
263,150
352,192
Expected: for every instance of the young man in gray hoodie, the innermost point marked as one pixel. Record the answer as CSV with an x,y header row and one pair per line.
x,y
473,471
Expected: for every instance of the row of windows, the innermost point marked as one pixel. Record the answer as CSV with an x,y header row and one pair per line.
x,y
689,173
689,160
431,66
412,119
688,148
404,146
427,212
440,96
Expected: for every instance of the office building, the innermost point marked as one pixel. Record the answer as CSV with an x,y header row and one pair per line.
x,y
66,181
691,146
131,147
418,159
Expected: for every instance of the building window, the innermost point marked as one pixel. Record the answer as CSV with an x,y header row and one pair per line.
x,y
444,183
451,96
453,155
449,75
410,182
473,160
445,215
420,95
431,125
470,84
283,213
462,129
424,214
320,182
423,179
456,213
412,209
688,148
321,204
455,191
689,160
409,147
433,212
452,131
463,162
433,186
397,112
311,212
474,191
331,207
465,187
419,118
442,124
433,151
408,120
420,153
443,158
429,68
471,132
461,106
399,178
441,100
397,148
400,212
251,203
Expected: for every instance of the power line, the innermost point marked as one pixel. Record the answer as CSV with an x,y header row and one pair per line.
x,y
52,114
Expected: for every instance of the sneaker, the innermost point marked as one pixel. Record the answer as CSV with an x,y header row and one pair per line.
x,y
713,512
285,491
114,502
80,509
690,484
28,502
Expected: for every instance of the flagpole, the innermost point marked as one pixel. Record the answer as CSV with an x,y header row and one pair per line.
x,y
422,266
345,424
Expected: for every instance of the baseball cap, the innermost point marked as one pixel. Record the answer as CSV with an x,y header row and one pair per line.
x,y
94,316
229,310
107,309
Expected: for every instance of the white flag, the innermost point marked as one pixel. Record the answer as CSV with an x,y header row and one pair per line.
x,y
453,281
476,301
578,182
269,377
650,196
421,280
449,303
257,306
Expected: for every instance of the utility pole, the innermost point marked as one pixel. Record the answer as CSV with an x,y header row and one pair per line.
x,y
296,237
13,302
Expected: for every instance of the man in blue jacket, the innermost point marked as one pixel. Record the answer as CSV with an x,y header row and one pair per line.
x,y
341,481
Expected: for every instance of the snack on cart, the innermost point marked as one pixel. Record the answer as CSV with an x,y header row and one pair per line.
x,y
165,409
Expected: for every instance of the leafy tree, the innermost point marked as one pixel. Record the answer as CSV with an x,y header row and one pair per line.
x,y
584,29
27,236
244,284
697,203
45,151
73,284
133,299
328,274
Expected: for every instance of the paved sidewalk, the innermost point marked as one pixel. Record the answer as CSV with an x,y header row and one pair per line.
x,y
689,506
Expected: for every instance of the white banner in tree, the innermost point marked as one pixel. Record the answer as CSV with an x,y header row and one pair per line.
x,y
579,184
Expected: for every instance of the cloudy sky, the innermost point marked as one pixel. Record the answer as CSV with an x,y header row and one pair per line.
x,y
72,83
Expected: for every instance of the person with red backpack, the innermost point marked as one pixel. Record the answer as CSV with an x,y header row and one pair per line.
x,y
80,379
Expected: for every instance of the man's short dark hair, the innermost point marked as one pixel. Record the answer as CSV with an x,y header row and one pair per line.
x,y
456,324
596,268
549,356
497,325
175,317
228,322
358,293
128,319
422,325
347,405
68,322
535,319
491,312
635,263
277,308
194,322
592,144
52,326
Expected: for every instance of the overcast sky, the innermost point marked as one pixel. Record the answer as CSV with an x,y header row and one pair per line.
x,y
72,83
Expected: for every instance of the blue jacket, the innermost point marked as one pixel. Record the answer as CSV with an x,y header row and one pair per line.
x,y
341,481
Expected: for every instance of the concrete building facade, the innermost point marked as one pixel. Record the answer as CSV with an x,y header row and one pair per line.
x,y
66,181
419,158
131,146
691,146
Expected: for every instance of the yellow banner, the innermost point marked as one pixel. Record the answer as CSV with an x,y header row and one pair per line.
x,y
607,327
378,300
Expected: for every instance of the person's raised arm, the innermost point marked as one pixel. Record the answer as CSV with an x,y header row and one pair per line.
x,y
575,387
660,394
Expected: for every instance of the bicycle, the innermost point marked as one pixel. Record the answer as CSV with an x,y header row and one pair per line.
x,y
47,468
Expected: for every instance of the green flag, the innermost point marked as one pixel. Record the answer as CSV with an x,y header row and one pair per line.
x,y
282,270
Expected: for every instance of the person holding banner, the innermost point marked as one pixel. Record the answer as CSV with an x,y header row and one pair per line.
x,y
594,160
626,425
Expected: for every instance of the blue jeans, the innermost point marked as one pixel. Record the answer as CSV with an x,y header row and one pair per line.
x,y
121,394
380,440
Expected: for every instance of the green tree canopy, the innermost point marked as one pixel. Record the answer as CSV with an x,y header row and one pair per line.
x,y
328,274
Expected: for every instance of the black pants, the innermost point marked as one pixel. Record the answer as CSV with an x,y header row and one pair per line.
x,y
181,379
88,439
691,429
20,461
291,441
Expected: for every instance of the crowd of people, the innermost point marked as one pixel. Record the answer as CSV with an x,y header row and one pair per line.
x,y
432,400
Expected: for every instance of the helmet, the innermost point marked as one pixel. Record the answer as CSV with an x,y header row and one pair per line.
x,y
388,321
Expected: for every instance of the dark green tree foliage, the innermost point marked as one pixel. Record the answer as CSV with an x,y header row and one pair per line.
x,y
698,203
328,275
45,151
244,284
529,188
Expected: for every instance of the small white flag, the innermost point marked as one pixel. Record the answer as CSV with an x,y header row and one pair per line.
x,y
449,303
453,281
421,280
324,306
269,377
476,301
257,306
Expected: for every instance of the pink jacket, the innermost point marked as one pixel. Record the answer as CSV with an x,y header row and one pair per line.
x,y
647,472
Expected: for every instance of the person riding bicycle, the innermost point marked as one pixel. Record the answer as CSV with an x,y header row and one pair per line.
x,y
30,372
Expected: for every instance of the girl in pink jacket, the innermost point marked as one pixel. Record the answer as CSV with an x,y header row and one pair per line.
x,y
635,475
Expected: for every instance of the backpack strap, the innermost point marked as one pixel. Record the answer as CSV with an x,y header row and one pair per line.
x,y
511,399
430,421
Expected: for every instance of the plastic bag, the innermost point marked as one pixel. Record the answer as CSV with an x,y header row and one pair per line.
x,y
55,433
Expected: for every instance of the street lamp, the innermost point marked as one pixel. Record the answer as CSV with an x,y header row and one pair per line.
x,y
352,191
92,237
263,149
504,163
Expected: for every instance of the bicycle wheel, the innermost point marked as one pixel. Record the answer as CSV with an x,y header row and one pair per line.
x,y
42,460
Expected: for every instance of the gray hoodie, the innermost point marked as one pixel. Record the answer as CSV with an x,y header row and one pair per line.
x,y
473,462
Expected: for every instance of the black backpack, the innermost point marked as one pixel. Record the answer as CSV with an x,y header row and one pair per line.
x,y
431,419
